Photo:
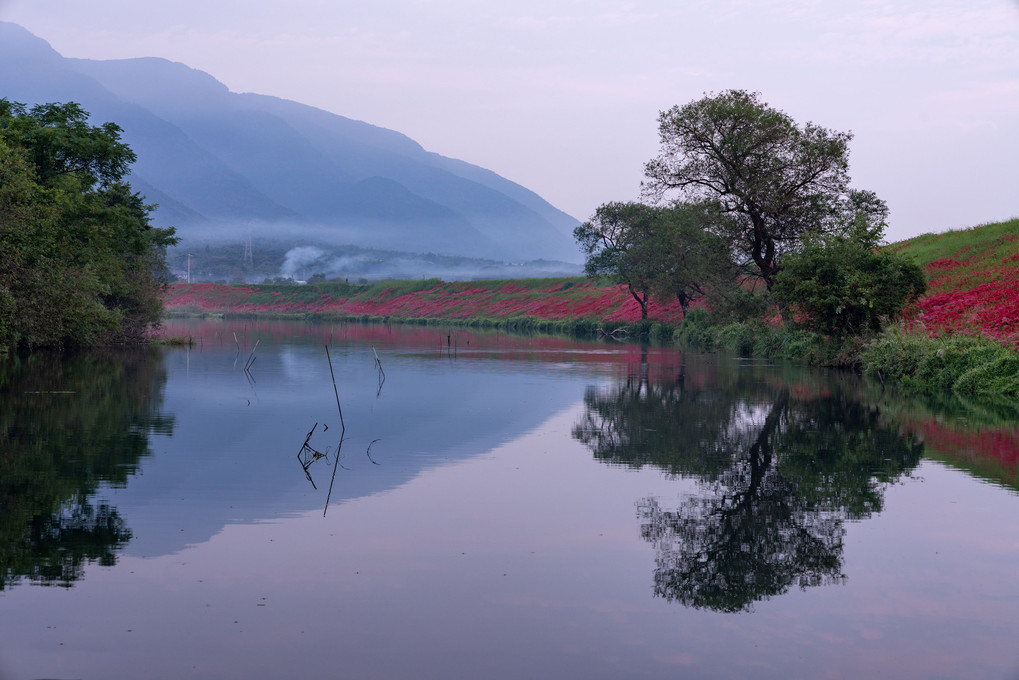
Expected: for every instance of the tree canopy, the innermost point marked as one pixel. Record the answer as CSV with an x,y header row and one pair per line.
x,y
774,179
655,250
79,261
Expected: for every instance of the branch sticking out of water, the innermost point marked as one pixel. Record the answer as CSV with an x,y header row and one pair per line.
x,y
333,480
251,357
382,373
343,427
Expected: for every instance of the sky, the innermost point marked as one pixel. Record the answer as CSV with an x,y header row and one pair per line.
x,y
563,96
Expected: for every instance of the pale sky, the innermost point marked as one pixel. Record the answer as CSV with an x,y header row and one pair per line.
x,y
563,96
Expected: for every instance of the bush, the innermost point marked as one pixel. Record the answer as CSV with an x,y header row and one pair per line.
x,y
697,330
1000,375
740,338
843,285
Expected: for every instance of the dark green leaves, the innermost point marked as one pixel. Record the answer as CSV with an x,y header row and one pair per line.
x,y
78,257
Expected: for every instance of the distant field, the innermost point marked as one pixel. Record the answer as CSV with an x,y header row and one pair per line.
x,y
973,289
549,299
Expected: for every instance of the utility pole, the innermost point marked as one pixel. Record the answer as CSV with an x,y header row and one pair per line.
x,y
189,267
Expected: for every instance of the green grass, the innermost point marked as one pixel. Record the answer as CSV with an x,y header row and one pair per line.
x,y
981,240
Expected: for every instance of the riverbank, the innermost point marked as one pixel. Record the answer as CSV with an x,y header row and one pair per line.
x,y
962,336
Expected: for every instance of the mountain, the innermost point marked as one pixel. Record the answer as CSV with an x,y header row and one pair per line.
x,y
222,165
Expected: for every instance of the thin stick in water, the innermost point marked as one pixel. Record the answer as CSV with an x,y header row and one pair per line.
x,y
343,427
250,361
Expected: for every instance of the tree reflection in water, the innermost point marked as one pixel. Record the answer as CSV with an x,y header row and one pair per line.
x,y
781,462
69,425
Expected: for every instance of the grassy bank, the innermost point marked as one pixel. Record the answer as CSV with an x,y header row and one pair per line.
x,y
961,337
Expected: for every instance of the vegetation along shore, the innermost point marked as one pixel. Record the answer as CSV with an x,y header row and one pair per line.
x,y
748,238
969,316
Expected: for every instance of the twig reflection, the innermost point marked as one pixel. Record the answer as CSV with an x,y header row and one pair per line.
x,y
308,455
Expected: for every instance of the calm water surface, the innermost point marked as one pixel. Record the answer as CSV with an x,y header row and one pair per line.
x,y
497,507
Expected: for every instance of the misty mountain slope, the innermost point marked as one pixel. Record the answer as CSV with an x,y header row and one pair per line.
x,y
499,208
218,161
316,163
32,72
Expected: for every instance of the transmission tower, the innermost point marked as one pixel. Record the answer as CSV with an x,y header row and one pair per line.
x,y
249,259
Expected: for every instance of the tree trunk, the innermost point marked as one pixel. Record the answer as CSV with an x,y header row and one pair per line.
x,y
641,300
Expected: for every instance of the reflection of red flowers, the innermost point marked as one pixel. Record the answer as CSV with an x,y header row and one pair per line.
x,y
994,450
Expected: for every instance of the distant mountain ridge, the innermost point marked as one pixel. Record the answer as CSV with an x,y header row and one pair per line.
x,y
221,164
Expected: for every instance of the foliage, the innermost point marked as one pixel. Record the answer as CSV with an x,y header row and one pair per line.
x,y
616,242
688,259
772,180
961,364
660,251
79,261
841,284
736,303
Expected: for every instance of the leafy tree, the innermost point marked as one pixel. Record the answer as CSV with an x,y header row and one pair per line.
x,y
842,283
659,251
775,181
79,262
687,259
610,241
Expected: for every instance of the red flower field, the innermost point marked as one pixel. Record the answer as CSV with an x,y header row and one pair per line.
x,y
543,299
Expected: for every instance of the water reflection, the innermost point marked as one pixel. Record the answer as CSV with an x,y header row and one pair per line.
x,y
70,425
781,461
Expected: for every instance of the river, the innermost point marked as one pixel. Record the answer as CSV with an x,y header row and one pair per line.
x,y
493,506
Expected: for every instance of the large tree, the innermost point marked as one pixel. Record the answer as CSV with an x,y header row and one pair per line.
x,y
774,179
79,261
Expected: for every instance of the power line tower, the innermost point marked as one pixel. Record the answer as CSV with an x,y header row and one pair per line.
x,y
249,259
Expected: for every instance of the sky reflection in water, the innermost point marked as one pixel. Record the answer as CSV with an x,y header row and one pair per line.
x,y
531,508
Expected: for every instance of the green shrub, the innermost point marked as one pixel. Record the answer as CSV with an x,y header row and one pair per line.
x,y
960,364
1000,375
739,337
697,330
842,284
